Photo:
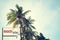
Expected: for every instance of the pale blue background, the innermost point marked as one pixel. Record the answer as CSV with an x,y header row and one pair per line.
x,y
45,12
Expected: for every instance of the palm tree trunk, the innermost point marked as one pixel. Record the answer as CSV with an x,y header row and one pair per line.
x,y
20,34
21,30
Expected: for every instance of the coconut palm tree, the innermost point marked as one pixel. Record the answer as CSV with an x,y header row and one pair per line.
x,y
29,32
41,37
17,17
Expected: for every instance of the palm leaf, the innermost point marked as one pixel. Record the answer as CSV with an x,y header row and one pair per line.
x,y
19,8
32,27
15,23
14,11
31,20
11,15
26,12
11,21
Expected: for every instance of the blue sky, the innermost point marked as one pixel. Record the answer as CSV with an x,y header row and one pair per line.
x,y
45,12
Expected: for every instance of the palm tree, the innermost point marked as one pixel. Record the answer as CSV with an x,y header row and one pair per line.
x,y
29,32
17,17
41,37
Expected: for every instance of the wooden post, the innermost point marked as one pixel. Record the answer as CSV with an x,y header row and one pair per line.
x,y
2,33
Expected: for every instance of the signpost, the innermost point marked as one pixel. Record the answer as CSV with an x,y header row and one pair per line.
x,y
9,32
2,33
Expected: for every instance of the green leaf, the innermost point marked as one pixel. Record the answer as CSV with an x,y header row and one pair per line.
x,y
11,15
31,20
26,12
33,27
15,23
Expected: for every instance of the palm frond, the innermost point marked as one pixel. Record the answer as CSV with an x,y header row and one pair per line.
x,y
11,15
26,12
34,33
15,23
14,11
11,20
31,20
19,8
32,27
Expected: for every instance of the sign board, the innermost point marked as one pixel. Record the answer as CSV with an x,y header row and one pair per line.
x,y
10,32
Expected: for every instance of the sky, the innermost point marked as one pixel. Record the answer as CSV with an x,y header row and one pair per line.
x,y
45,12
